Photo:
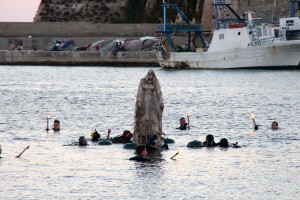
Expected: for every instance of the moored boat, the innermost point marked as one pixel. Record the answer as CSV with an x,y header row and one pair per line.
x,y
236,43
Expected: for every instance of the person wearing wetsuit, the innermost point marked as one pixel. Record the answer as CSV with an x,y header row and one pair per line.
x,y
95,136
274,125
56,125
183,124
141,152
124,138
224,143
210,141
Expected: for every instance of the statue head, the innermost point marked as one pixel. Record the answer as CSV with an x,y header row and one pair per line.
x,y
150,75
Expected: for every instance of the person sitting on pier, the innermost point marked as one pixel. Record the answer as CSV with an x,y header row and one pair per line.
x,y
183,124
115,50
142,153
11,46
210,141
56,125
20,46
274,125
121,46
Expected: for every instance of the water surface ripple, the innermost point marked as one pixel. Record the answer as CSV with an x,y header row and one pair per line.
x,y
84,98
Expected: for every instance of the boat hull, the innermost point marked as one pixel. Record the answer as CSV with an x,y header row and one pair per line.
x,y
283,54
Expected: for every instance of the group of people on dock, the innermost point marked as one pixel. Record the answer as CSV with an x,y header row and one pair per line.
x,y
12,46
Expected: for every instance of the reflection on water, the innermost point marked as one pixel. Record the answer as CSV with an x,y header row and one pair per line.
x,y
84,98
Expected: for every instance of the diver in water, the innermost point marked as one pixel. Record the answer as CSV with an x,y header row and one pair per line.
x,y
224,143
56,125
210,141
142,153
124,138
95,136
82,141
274,125
183,124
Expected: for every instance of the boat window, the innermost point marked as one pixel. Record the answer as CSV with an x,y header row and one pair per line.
x,y
289,22
276,33
258,30
270,32
239,33
221,36
265,31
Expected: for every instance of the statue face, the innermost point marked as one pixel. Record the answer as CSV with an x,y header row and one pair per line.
x,y
150,74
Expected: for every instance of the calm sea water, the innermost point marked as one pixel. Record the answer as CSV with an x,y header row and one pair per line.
x,y
86,98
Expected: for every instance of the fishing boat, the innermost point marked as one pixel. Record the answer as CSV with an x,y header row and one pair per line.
x,y
236,43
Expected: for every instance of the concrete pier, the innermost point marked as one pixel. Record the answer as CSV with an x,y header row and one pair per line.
x,y
38,35
78,58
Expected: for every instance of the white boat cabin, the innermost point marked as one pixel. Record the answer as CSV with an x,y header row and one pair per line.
x,y
290,23
268,34
229,38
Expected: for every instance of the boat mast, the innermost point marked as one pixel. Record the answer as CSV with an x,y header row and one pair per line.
x,y
168,29
221,6
293,7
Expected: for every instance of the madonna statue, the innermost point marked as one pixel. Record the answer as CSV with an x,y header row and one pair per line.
x,y
148,110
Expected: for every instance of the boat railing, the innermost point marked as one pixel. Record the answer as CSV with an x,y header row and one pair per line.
x,y
268,40
179,28
231,23
260,21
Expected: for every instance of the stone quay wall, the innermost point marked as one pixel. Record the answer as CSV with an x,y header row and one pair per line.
x,y
78,58
38,35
